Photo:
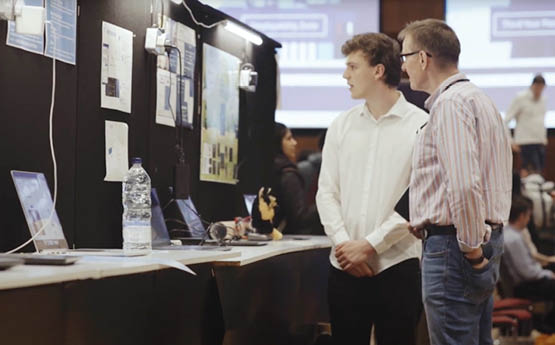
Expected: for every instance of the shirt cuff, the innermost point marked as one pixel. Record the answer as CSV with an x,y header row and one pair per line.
x,y
465,248
340,237
376,241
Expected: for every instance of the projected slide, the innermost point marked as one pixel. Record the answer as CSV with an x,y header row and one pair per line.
x,y
504,44
313,92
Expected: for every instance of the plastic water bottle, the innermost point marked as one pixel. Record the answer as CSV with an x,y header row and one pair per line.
x,y
136,209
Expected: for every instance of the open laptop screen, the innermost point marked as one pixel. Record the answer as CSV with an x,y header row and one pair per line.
x,y
36,202
189,213
160,235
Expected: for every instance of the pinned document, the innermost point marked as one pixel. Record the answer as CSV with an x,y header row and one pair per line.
x,y
116,68
116,151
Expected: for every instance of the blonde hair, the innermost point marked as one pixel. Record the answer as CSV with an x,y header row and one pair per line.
x,y
436,38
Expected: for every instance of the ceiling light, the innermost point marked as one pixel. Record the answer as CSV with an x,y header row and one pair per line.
x,y
241,31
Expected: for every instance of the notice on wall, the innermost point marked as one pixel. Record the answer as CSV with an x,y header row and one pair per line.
x,y
220,116
61,30
116,69
116,151
165,98
30,43
175,80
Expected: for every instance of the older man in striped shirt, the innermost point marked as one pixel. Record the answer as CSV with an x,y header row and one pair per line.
x,y
460,189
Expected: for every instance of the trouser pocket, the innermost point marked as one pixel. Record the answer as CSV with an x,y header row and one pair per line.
x,y
480,283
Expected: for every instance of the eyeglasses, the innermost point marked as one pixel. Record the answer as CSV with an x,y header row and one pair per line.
x,y
404,56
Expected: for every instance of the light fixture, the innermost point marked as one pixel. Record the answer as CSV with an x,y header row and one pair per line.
x,y
29,20
240,31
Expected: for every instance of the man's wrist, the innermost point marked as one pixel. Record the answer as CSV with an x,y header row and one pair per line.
x,y
369,249
475,261
474,254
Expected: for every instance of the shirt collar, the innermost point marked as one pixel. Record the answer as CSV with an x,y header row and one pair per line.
x,y
399,109
434,96
530,96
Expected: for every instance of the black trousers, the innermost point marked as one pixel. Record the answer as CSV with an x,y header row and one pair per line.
x,y
391,301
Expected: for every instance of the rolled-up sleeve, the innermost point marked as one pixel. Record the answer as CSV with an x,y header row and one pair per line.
x,y
459,161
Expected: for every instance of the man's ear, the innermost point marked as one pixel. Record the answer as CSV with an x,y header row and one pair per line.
x,y
424,59
379,72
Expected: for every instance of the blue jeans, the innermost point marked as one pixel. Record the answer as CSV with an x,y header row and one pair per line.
x,y
458,298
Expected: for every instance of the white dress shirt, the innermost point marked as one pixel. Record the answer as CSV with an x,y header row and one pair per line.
x,y
366,166
530,119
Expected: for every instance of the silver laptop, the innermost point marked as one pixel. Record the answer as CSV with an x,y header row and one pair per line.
x,y
36,202
160,235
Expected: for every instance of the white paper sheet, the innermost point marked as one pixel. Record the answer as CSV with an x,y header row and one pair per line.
x,y
116,151
141,261
116,69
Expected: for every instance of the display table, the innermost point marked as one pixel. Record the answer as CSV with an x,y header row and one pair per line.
x,y
141,301
275,294
98,267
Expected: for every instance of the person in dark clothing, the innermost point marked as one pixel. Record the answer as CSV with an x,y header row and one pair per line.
x,y
310,170
294,215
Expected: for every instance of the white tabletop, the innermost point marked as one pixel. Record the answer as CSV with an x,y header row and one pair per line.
x,y
274,248
96,267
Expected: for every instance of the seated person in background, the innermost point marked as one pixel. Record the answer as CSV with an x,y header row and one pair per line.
x,y
535,187
310,170
529,278
294,216
529,233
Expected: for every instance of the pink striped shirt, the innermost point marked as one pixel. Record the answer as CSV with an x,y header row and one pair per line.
x,y
461,165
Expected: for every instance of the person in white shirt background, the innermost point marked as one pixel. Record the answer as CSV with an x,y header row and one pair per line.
x,y
530,135
366,164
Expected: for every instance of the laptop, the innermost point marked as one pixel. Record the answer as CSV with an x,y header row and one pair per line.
x,y
198,231
36,202
7,262
160,235
191,217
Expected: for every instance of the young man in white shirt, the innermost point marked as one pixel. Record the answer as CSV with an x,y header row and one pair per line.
x,y
366,165
530,136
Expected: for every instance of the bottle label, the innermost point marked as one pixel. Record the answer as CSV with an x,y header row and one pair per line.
x,y
136,233
139,223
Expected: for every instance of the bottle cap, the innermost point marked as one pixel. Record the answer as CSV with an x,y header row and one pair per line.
x,y
135,160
